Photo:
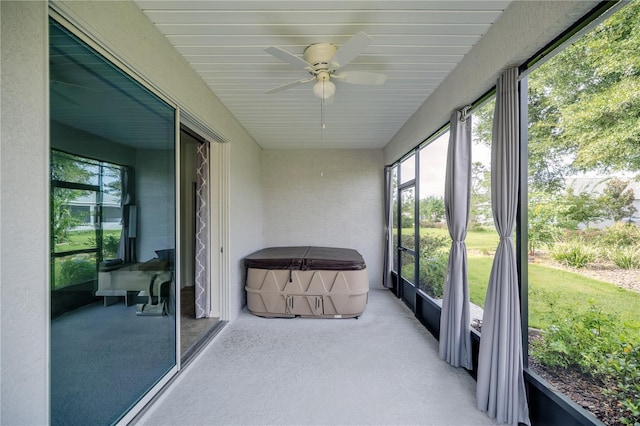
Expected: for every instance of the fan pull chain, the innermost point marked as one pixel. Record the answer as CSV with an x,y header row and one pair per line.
x,y
322,124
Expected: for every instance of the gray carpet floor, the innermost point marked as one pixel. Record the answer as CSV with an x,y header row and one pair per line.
x,y
383,368
103,358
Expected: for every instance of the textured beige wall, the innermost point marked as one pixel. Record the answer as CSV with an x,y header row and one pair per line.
x,y
24,214
523,29
326,198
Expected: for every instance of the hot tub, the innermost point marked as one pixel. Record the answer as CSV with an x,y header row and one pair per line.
x,y
320,282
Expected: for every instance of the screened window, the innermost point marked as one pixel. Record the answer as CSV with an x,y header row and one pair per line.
x,y
482,238
583,235
435,242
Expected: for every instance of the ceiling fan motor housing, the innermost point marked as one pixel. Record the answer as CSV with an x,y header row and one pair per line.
x,y
319,55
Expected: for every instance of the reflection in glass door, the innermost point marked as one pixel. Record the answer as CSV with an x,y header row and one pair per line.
x,y
75,240
113,192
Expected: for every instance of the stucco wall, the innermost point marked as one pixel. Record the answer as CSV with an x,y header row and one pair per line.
x,y
327,198
24,214
522,30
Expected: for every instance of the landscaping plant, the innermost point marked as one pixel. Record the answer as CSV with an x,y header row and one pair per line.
x,y
76,270
597,344
575,254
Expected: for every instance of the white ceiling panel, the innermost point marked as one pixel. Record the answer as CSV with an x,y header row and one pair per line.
x,y
415,43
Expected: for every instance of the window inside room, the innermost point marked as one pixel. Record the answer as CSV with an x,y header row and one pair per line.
x,y
86,218
583,235
113,221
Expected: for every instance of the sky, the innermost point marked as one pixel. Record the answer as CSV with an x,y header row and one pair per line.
x,y
433,163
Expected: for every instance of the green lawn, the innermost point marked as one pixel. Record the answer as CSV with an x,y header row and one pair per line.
x,y
78,240
555,294
483,240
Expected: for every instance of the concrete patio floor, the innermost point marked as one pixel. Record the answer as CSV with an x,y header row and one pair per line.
x,y
382,368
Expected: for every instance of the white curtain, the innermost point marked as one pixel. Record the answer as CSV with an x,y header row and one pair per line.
x,y
388,231
455,338
500,386
203,299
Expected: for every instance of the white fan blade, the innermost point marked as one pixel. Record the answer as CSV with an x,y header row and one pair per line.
x,y
289,85
285,56
350,50
361,77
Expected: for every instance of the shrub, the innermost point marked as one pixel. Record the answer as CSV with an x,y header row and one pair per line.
x,y
407,222
595,343
432,274
574,254
622,369
432,244
580,342
620,235
432,263
477,227
625,258
591,236
76,271
110,245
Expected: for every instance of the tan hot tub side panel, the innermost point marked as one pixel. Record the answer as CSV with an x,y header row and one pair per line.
x,y
309,293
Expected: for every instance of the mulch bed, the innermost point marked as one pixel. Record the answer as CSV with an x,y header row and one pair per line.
x,y
582,389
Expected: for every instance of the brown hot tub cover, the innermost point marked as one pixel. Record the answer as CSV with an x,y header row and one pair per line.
x,y
306,258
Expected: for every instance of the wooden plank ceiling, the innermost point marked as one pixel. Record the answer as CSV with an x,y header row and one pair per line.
x,y
415,44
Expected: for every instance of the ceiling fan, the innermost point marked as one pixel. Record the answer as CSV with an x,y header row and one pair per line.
x,y
322,60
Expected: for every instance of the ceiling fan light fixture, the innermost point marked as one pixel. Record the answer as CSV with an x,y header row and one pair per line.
x,y
324,89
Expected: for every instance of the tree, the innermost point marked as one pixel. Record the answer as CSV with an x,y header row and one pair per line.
x,y
483,123
583,106
574,209
432,209
584,103
407,209
542,230
480,209
617,201
65,168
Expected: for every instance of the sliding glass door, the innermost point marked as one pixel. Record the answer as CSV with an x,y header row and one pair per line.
x,y
113,232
